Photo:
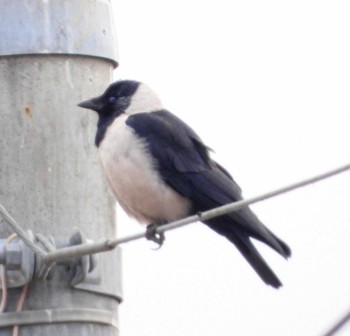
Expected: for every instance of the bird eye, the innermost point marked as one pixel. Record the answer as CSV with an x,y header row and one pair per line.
x,y
112,100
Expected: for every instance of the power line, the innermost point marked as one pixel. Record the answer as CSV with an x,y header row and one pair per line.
x,y
80,250
340,324
20,232
3,288
84,249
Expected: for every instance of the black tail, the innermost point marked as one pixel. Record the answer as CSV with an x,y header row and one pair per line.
x,y
240,237
287,252
251,254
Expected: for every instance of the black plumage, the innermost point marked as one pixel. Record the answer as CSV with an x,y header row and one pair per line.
x,y
183,162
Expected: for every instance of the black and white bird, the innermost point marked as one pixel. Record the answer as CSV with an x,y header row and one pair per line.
x,y
159,170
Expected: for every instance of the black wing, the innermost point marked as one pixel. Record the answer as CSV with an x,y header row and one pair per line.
x,y
184,163
177,149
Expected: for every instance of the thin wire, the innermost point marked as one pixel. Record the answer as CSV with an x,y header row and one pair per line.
x,y
48,245
4,288
44,269
20,305
21,233
341,323
80,250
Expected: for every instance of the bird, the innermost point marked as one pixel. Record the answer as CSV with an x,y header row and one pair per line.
x,y
159,170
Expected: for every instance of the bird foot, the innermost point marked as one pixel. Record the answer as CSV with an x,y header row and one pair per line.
x,y
153,235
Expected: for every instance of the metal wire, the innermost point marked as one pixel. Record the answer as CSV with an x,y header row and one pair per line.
x,y
339,325
80,250
20,232
4,288
20,305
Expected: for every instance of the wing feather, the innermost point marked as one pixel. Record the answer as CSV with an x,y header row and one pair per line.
x,y
184,163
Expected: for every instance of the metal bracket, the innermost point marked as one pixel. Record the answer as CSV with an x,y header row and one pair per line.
x,y
19,261
99,273
105,278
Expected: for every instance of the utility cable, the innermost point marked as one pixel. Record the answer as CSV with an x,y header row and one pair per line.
x,y
20,232
80,250
20,305
338,325
3,288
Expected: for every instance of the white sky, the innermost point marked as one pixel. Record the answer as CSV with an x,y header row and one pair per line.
x,y
266,85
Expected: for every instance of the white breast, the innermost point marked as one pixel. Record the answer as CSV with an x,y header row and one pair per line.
x,y
135,183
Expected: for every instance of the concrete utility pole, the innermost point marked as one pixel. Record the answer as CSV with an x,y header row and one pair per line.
x,y
54,54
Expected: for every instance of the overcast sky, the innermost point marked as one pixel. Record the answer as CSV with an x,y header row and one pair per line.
x,y
266,85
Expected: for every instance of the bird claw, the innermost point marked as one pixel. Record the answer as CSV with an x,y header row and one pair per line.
x,y
153,235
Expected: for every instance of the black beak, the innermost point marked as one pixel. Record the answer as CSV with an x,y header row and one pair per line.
x,y
92,104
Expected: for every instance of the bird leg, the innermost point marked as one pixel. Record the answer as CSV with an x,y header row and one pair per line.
x,y
153,235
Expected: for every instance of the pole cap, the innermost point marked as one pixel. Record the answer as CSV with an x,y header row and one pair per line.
x,y
56,27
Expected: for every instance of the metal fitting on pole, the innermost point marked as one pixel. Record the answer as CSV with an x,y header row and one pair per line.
x,y
18,260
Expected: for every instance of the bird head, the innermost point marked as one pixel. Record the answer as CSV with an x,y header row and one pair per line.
x,y
124,96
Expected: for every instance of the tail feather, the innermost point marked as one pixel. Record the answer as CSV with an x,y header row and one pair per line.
x,y
256,229
240,237
251,254
287,252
